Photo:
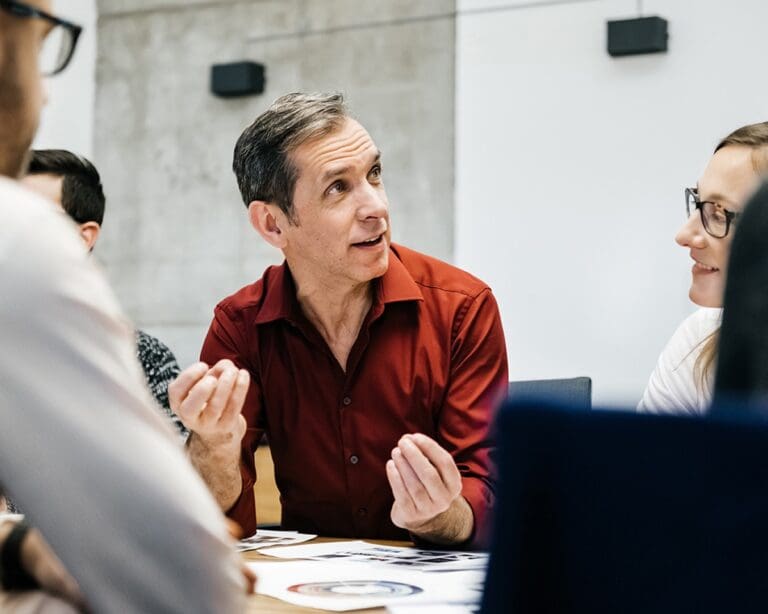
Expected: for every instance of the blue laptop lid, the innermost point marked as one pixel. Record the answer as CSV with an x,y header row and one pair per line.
x,y
609,511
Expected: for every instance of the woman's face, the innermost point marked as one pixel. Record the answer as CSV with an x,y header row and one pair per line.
x,y
728,180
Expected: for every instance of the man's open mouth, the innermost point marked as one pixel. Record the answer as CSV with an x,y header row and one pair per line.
x,y
369,242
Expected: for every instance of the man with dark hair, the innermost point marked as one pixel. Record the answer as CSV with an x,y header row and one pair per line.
x,y
73,183
374,369
131,522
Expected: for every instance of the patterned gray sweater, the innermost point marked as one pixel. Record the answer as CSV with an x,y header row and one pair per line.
x,y
160,368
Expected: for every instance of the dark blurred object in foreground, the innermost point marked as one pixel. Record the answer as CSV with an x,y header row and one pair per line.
x,y
608,511
742,368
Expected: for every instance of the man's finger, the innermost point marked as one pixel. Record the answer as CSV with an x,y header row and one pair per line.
x,y
224,385
424,469
412,483
237,397
223,365
180,387
196,399
440,458
398,487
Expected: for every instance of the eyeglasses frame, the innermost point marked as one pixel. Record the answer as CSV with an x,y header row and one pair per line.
x,y
699,205
21,9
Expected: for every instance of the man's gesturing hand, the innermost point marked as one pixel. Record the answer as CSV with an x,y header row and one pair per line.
x,y
209,401
427,487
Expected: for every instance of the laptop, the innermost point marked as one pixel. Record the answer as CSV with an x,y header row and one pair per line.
x,y
609,511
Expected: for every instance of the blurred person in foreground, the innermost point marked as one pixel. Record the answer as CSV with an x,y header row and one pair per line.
x,y
742,367
122,528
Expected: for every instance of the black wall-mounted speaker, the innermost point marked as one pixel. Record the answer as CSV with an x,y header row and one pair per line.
x,y
637,36
237,79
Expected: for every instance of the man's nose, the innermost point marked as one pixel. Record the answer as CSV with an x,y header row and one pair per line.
x,y
373,203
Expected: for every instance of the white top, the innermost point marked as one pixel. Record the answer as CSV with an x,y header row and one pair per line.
x,y
82,450
674,386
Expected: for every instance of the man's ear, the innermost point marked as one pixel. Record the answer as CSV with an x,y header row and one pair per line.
x,y
268,220
89,232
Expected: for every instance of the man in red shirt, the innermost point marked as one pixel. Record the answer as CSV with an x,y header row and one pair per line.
x,y
373,369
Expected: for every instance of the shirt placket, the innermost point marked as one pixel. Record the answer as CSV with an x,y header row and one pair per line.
x,y
353,454
351,405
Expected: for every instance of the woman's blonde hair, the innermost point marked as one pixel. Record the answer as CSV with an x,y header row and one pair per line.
x,y
754,136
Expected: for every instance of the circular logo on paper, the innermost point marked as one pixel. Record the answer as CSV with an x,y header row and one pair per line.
x,y
356,588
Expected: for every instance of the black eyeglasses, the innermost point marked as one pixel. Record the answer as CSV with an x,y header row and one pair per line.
x,y
715,219
59,44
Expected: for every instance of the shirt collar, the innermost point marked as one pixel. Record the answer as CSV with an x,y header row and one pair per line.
x,y
397,284
280,302
279,296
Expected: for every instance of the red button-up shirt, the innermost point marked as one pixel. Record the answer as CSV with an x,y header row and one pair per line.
x,y
430,358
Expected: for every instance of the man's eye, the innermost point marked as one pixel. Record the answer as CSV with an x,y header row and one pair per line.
x,y
335,188
375,172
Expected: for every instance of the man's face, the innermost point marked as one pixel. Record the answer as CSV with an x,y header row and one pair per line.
x,y
341,235
728,180
21,87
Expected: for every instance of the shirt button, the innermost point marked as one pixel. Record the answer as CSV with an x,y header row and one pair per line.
x,y
354,460
346,401
361,511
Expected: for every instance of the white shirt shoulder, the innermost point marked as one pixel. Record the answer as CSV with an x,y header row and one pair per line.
x,y
82,450
674,386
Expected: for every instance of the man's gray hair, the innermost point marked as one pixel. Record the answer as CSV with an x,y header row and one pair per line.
x,y
262,161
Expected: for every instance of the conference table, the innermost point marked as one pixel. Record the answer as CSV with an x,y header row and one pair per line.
x,y
262,603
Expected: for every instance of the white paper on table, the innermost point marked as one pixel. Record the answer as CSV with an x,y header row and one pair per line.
x,y
413,559
264,538
310,550
353,586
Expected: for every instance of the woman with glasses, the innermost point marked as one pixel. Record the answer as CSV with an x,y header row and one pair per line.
x,y
683,379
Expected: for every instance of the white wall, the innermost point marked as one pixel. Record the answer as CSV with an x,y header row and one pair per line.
x,y
571,167
67,120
